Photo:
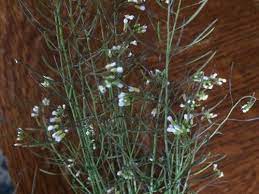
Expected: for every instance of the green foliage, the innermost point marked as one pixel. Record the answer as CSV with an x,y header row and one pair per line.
x,y
113,135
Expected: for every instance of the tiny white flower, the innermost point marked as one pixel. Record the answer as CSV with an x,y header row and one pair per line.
x,y
48,78
170,119
143,29
119,69
87,132
34,114
134,42
119,173
130,54
202,96
45,101
58,136
35,109
209,116
188,117
54,113
78,173
69,165
109,53
123,100
18,139
110,65
55,120
133,89
141,7
221,174
108,84
207,85
127,18
215,167
182,105
122,95
102,89
52,120
17,144
70,160
46,82
51,127
157,72
222,80
246,107
121,103
119,85
214,75
154,112
175,129
205,78
212,115
109,191
94,147
116,48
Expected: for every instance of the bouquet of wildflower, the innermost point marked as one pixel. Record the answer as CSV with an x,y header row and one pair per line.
x,y
121,126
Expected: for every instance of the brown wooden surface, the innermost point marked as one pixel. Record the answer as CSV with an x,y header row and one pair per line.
x,y
236,39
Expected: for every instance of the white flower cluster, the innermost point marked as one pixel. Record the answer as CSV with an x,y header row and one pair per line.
x,y
126,20
20,134
202,96
55,124
36,109
138,28
124,99
70,163
126,174
155,73
189,104
208,82
90,132
118,49
156,76
112,79
208,115
178,127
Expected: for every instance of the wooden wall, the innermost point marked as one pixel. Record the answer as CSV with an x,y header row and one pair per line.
x,y
236,40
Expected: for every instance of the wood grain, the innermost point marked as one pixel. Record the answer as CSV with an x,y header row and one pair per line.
x,y
236,40
18,39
